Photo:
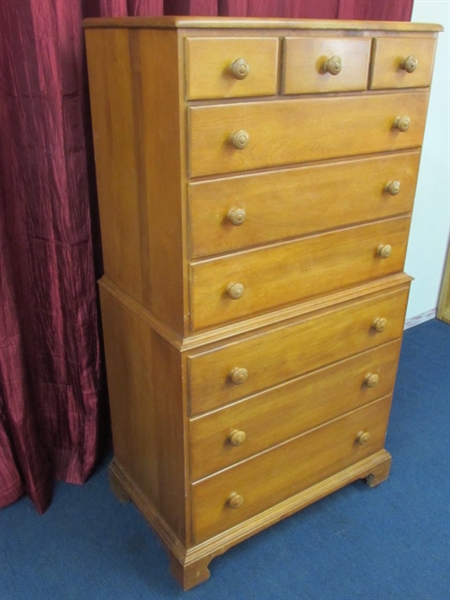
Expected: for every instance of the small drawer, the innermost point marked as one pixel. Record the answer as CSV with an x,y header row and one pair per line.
x,y
231,67
402,62
229,497
251,135
233,287
317,65
219,375
231,434
239,212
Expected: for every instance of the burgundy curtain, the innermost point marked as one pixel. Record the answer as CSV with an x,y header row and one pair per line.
x,y
52,385
375,10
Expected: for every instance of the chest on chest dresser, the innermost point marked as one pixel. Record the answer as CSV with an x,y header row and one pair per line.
x,y
256,180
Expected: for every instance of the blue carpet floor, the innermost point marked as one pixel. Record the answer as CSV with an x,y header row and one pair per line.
x,y
390,542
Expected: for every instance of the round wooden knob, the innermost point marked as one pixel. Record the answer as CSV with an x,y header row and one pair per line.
x,y
237,437
235,290
393,187
333,65
372,380
379,324
235,500
402,123
238,375
409,64
240,139
236,216
362,437
240,68
384,250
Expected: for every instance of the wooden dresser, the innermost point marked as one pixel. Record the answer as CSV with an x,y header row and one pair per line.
x,y
256,180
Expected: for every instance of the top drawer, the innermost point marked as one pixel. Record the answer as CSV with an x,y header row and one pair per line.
x,y
402,62
231,67
325,64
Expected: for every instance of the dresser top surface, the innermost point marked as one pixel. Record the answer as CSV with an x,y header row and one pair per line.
x,y
177,22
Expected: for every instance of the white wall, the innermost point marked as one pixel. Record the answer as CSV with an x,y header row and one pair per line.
x,y
431,217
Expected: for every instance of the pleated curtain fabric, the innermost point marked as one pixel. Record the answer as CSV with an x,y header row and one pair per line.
x,y
53,401
375,10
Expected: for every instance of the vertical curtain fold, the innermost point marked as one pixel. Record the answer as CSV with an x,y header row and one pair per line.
x,y
18,419
306,9
375,10
52,389
53,419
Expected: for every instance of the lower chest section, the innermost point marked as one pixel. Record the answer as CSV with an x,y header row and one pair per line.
x,y
275,412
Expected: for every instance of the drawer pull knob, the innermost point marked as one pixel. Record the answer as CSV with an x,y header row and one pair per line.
x,y
240,139
393,187
238,375
240,68
362,437
236,216
379,324
235,290
237,437
409,64
333,65
402,123
372,380
235,500
384,250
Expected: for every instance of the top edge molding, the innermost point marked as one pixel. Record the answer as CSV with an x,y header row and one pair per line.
x,y
173,22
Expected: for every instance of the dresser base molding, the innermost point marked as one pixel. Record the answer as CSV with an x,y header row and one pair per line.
x,y
190,565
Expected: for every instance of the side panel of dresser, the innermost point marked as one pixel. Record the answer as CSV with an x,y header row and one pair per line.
x,y
133,80
147,414
135,108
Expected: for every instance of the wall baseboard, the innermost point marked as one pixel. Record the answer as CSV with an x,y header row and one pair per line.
x,y
418,319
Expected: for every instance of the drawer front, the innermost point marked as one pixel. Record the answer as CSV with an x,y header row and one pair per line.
x,y
234,433
231,67
228,214
402,62
280,275
273,356
285,470
301,130
316,64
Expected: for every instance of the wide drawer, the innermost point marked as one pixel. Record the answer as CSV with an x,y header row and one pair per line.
x,y
226,436
247,210
248,283
402,62
226,372
325,64
231,67
235,494
251,135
